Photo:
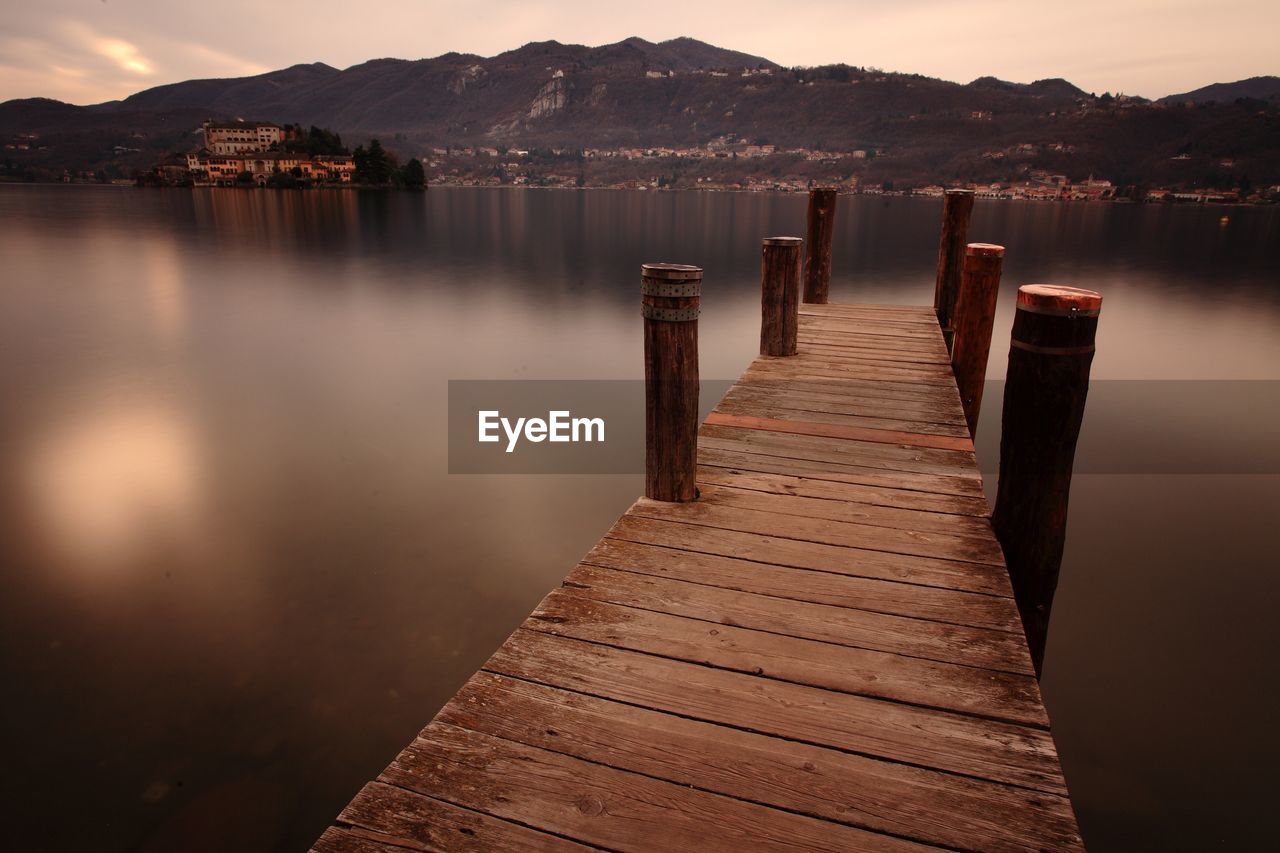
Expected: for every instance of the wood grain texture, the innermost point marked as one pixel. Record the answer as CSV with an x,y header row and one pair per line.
x,y
779,295
399,816
853,483
605,806
670,386
818,236
855,790
709,534
956,209
974,319
1045,391
985,749
639,580
822,652
844,669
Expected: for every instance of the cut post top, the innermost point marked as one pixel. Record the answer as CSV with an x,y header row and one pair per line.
x,y
671,272
782,241
985,250
1057,299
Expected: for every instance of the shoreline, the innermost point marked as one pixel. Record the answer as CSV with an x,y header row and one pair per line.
x,y
518,187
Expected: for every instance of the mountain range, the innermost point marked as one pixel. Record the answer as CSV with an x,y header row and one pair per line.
x,y
685,92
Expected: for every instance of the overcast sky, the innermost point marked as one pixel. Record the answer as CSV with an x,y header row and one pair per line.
x,y
86,51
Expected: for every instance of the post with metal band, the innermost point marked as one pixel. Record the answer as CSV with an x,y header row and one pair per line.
x,y
779,295
975,315
670,295
817,260
956,207
1048,379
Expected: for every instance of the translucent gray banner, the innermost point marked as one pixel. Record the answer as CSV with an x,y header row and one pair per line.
x,y
1130,426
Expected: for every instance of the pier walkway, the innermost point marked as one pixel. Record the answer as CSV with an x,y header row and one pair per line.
x,y
822,652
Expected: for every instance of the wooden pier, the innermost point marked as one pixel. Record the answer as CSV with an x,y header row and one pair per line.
x,y
821,652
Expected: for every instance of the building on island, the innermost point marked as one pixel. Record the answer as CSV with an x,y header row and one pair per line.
x,y
211,169
237,137
250,151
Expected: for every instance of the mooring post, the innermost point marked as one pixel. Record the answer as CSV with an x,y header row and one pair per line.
x,y
1048,379
974,317
956,207
669,301
779,295
817,259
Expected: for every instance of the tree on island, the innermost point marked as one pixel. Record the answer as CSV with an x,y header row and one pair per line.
x,y
373,166
413,175
313,142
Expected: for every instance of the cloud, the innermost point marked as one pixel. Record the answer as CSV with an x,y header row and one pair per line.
x,y
218,62
124,54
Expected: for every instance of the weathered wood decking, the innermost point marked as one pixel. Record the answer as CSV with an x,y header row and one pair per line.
x,y
822,652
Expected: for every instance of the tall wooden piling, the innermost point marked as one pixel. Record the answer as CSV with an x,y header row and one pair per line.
x,y
975,316
817,260
779,295
670,295
956,208
1048,379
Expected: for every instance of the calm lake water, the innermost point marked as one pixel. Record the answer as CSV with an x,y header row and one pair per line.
x,y
238,578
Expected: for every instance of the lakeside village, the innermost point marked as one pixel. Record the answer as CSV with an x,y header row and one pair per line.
x,y
729,164
264,154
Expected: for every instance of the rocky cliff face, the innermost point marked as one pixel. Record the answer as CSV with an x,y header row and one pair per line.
x,y
551,98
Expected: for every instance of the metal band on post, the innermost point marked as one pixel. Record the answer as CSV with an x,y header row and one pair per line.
x,y
669,302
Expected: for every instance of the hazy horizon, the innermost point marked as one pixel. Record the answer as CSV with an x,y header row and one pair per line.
x,y
90,53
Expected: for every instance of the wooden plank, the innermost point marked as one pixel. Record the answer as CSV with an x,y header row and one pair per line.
x,y
419,822
957,465
924,326
893,368
605,806
813,423
842,357
884,308
830,308
913,335
902,380
820,345
758,495
767,374
946,608
844,482
929,806
864,326
931,552
338,839
970,746
820,557
897,371
808,327
847,669
783,395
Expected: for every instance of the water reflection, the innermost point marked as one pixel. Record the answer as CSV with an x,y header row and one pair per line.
x,y
109,482
238,578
